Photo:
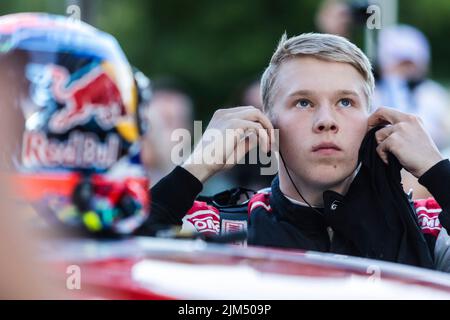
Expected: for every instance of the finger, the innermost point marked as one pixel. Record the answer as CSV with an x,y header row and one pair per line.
x,y
388,145
253,124
245,139
382,152
240,108
249,143
254,114
259,134
386,116
384,133
254,131
264,140
231,112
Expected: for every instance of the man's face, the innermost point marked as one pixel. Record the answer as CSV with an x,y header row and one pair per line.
x,y
321,111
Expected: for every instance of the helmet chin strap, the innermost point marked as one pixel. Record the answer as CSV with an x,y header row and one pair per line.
x,y
295,187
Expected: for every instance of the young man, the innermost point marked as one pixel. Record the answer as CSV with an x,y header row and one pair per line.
x,y
338,186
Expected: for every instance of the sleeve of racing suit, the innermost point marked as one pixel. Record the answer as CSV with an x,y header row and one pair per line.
x,y
442,251
437,181
171,199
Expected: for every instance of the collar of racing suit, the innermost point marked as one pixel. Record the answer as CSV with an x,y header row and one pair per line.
x,y
300,216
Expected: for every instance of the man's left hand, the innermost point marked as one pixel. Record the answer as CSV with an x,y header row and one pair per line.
x,y
406,138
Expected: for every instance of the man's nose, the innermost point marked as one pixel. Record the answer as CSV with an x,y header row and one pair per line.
x,y
325,120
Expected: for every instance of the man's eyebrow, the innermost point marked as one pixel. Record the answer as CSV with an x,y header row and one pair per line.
x,y
312,92
347,92
302,93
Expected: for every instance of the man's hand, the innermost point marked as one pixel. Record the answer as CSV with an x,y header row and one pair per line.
x,y
406,138
235,126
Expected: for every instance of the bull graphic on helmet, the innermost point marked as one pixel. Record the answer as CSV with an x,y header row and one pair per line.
x,y
94,95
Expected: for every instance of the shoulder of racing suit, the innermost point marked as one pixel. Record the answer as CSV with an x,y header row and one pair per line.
x,y
222,214
225,212
427,211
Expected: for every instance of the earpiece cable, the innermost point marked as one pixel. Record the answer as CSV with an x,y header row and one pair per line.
x,y
292,181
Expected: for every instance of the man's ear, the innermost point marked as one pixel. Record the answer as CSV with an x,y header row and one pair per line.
x,y
368,127
273,119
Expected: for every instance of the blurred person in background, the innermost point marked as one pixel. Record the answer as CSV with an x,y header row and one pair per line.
x,y
342,18
404,61
170,109
251,95
21,275
334,17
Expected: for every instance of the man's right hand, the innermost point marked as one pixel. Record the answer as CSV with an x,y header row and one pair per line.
x,y
227,139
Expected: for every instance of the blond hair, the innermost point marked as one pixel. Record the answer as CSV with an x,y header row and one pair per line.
x,y
321,46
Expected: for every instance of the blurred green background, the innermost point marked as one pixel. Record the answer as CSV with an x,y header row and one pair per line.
x,y
215,47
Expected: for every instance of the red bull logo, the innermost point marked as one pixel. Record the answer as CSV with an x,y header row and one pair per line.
x,y
93,96
81,150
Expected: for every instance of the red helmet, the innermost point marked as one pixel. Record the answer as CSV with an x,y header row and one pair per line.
x,y
76,99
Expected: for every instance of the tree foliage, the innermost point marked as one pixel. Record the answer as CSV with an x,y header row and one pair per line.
x,y
214,46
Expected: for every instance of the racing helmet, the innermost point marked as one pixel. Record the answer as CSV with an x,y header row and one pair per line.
x,y
76,99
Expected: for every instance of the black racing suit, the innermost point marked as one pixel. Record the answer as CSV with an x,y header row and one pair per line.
x,y
273,220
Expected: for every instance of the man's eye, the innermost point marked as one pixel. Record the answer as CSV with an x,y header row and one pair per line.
x,y
345,103
303,103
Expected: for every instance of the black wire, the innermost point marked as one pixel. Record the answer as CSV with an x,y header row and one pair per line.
x,y
292,181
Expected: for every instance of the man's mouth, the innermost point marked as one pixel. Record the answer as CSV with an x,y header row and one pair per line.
x,y
326,148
